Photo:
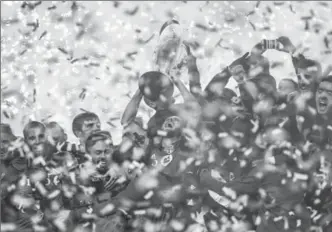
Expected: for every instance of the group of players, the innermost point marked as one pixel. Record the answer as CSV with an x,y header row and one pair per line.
x,y
257,161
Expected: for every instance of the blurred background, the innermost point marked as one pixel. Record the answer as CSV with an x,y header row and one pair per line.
x,y
60,58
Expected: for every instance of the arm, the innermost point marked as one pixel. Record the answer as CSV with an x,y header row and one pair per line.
x,y
187,96
217,84
219,81
288,47
132,108
194,77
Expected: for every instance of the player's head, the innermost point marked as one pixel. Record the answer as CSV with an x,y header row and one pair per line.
x,y
286,87
99,146
324,96
55,133
84,125
7,137
35,137
308,71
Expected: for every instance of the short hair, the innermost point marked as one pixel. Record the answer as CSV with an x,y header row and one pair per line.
x,y
305,63
265,83
53,124
98,136
326,79
32,125
79,120
296,86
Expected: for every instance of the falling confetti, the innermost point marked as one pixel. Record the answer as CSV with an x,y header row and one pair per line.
x,y
63,58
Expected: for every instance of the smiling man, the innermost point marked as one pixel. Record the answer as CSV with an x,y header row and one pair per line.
x,y
35,136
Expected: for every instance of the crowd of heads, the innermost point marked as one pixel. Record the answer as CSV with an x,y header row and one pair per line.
x,y
259,160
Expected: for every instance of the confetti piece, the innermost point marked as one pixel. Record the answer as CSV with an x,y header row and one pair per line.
x,y
205,28
141,41
10,21
31,6
51,8
107,209
132,12
34,25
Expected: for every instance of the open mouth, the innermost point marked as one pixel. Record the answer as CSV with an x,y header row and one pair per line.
x,y
322,103
38,148
101,164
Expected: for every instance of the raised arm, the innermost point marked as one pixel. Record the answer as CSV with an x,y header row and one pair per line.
x,y
131,110
219,81
187,96
298,59
194,76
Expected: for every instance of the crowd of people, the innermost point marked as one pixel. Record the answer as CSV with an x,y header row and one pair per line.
x,y
258,161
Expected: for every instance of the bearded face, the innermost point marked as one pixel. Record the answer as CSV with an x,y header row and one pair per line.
x,y
101,153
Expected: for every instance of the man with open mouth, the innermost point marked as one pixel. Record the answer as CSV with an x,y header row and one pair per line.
x,y
317,128
324,97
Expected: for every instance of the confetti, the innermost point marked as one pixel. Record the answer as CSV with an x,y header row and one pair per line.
x,y
92,55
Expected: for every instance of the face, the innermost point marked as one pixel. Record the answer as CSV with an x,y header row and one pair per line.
x,y
285,88
36,139
256,65
6,139
238,73
324,97
56,135
89,127
100,153
306,80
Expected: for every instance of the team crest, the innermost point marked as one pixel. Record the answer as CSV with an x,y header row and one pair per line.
x,y
166,160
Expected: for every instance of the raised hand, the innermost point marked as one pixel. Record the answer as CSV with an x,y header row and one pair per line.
x,y
287,45
190,60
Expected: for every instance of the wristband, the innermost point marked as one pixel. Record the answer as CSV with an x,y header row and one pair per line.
x,y
270,44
